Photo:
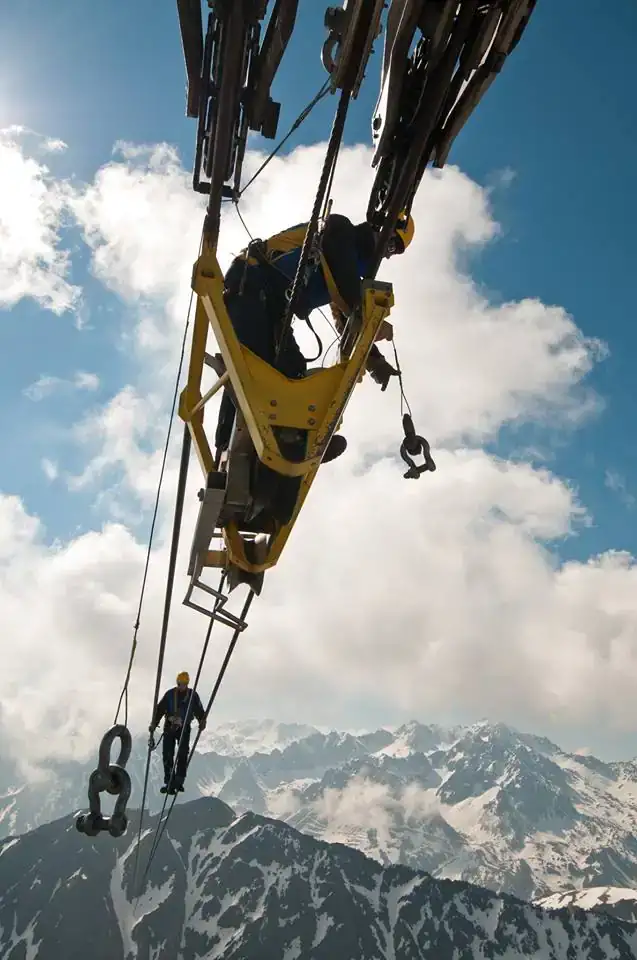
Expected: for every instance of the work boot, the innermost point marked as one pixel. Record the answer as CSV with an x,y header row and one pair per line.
x,y
336,446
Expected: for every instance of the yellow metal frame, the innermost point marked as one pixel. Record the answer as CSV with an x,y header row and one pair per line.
x,y
268,399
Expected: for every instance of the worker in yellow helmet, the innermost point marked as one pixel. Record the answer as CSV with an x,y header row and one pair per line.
x,y
257,287
178,705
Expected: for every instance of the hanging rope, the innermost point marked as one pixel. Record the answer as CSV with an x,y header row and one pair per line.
x,y
124,693
325,89
181,489
336,135
403,399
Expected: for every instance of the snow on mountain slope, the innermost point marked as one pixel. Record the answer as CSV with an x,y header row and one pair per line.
x,y
249,888
417,738
617,902
484,803
519,814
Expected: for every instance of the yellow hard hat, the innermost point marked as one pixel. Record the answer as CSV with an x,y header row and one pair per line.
x,y
405,229
183,677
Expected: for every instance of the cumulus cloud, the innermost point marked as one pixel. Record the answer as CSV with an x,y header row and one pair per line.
x,y
142,222
33,261
283,803
363,802
425,597
46,385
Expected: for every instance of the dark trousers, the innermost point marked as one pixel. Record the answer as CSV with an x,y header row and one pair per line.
x,y
170,741
256,313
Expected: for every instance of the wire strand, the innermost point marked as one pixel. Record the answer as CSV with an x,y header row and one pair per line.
x,y
183,467
124,693
161,826
403,399
325,89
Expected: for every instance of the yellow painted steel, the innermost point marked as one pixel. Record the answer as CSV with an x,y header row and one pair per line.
x,y
269,399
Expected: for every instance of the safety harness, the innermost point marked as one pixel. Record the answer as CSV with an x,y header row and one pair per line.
x,y
268,252
175,718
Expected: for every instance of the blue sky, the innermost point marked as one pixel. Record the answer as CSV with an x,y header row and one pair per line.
x,y
561,125
561,117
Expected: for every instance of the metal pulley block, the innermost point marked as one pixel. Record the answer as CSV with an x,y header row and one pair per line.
x,y
352,30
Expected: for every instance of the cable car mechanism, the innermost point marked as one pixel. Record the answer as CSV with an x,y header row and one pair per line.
x,y
439,59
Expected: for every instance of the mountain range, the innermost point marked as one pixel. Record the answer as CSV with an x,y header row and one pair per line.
x,y
485,803
252,888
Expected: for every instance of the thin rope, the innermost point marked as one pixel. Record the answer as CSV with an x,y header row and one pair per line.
x,y
124,693
403,399
161,826
297,123
178,506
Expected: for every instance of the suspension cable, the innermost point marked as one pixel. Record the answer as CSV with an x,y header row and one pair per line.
x,y
124,693
325,89
327,173
333,146
181,488
187,717
172,563
161,826
404,402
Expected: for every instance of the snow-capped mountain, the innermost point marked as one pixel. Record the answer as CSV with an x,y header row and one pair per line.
x,y
485,803
249,888
245,737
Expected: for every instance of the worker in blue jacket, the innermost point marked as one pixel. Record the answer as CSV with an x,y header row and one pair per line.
x,y
259,280
174,707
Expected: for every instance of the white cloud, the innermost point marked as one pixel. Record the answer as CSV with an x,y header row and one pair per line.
x,y
426,597
55,146
617,483
46,385
86,381
33,262
143,223
374,806
50,469
283,803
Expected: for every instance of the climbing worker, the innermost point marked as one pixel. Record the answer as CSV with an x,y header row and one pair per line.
x,y
174,706
258,282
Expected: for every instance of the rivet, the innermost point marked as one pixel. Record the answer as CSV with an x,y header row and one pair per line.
x,y
311,421
273,403
312,407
